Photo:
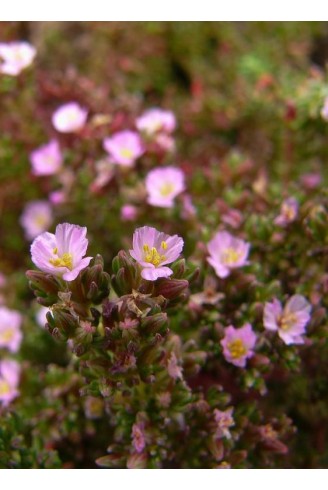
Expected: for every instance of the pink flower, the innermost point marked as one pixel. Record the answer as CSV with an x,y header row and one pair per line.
x,y
129,212
227,253
10,329
289,321
224,420
324,110
173,368
238,344
163,185
41,316
124,147
57,197
153,250
138,437
9,380
311,180
288,212
47,159
62,254
69,118
36,218
165,142
105,173
156,120
15,56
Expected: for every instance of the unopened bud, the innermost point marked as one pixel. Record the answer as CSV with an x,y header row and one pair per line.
x,y
171,288
154,323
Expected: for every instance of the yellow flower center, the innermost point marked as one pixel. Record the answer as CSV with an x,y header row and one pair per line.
x,y
41,220
166,189
230,256
126,153
152,256
289,212
237,349
6,335
4,387
287,321
66,260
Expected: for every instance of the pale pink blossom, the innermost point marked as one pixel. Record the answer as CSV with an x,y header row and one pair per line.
x,y
290,321
69,118
47,159
188,209
9,380
61,254
15,57
57,197
226,253
165,142
10,329
104,174
324,110
129,212
224,420
36,218
173,368
124,147
41,316
138,437
238,344
163,185
156,120
288,212
311,180
153,250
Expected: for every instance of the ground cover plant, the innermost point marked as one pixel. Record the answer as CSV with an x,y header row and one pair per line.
x,y
163,254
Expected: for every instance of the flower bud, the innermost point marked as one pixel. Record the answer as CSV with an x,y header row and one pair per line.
x,y
44,286
137,461
154,323
65,322
171,288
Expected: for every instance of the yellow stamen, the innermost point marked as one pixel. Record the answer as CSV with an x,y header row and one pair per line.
x,y
166,189
237,349
126,153
164,245
287,321
66,260
4,388
6,335
230,256
152,256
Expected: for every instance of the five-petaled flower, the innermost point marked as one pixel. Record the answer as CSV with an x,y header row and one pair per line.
x,y
238,344
47,159
163,185
153,249
226,253
288,212
9,380
155,121
124,147
61,254
224,420
15,57
10,329
290,321
69,118
36,218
